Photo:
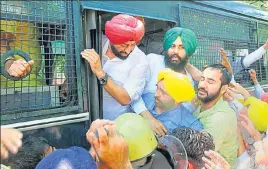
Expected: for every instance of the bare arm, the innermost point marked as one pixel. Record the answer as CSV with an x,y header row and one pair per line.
x,y
194,72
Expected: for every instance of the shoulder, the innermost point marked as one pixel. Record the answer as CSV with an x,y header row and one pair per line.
x,y
155,56
137,57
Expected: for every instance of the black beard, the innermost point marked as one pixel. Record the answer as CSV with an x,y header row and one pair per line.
x,y
176,66
208,98
117,53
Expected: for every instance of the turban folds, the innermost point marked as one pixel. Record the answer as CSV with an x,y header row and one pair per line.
x,y
123,28
258,113
188,39
178,85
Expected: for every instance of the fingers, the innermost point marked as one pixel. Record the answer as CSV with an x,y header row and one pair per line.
x,y
13,73
20,68
163,128
208,164
103,136
160,132
90,55
11,139
242,117
93,140
31,62
159,128
100,123
4,152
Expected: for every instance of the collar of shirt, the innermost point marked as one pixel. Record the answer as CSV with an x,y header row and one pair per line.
x,y
179,108
216,108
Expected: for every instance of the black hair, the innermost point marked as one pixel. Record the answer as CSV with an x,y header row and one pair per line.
x,y
30,154
226,76
195,143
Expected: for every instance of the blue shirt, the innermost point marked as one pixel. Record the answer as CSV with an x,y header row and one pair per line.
x,y
179,117
258,90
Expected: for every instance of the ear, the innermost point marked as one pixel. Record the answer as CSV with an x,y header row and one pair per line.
x,y
224,89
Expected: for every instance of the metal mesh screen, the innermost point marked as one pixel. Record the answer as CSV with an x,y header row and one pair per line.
x,y
237,36
44,30
263,69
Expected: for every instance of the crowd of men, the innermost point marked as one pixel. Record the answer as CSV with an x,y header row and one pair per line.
x,y
154,117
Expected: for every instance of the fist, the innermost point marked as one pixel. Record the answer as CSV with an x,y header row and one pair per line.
x,y
20,68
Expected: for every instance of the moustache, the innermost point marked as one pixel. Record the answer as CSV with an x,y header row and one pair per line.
x,y
175,55
203,90
123,52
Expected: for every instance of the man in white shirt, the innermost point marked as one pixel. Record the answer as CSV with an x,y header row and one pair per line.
x,y
124,65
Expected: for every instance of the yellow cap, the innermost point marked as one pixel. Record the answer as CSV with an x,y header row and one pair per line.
x,y
178,85
258,113
138,133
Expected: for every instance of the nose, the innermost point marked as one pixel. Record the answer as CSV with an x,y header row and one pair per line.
x,y
156,95
202,84
128,49
176,51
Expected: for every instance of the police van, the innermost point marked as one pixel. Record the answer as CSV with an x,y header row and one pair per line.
x,y
61,96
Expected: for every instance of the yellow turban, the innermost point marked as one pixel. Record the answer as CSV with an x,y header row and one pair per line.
x,y
258,113
178,85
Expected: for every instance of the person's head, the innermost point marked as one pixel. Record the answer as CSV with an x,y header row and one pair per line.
x,y
139,136
195,143
213,83
71,158
179,45
143,21
124,31
34,149
172,89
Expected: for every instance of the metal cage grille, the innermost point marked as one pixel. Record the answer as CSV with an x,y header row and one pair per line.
x,y
44,30
237,36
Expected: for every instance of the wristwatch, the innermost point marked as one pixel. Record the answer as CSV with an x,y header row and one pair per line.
x,y
104,79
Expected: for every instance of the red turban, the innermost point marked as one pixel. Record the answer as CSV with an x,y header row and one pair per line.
x,y
264,97
123,28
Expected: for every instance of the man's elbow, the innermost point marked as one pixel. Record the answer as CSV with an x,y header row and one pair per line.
x,y
125,101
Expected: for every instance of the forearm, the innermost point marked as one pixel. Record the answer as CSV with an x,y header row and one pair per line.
x,y
147,115
258,89
257,136
116,91
254,56
241,148
194,72
245,94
